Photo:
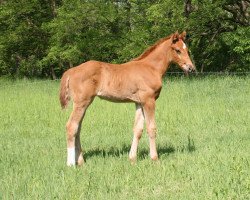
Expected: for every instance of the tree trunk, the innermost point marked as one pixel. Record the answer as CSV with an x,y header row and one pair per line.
x,y
16,71
187,8
52,72
128,18
71,64
53,8
202,67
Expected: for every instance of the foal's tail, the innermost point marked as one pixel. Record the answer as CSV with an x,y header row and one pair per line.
x,y
64,91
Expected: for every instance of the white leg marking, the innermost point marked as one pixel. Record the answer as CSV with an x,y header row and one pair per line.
x,y
133,150
138,128
71,159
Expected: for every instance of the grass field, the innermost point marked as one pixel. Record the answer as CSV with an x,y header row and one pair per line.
x,y
203,143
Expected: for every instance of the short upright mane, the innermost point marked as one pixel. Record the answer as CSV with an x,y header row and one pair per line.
x,y
151,48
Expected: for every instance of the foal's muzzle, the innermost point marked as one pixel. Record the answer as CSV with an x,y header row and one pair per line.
x,y
189,68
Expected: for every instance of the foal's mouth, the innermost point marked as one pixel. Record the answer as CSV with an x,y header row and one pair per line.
x,y
188,68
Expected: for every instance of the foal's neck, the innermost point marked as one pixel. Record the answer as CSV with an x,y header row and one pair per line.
x,y
160,58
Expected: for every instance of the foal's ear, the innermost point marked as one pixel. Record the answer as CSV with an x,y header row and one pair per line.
x,y
175,37
183,36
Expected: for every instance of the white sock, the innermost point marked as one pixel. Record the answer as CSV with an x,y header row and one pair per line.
x,y
71,160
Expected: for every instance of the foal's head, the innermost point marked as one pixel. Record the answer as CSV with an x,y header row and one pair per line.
x,y
179,52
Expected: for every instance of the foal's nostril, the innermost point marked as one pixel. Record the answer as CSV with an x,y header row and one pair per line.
x,y
191,68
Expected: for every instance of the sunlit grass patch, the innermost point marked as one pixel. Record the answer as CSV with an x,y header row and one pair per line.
x,y
203,142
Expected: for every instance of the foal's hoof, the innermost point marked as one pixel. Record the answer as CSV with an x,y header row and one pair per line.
x,y
71,164
155,158
132,160
80,161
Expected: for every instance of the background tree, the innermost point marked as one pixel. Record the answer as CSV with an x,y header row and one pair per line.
x,y
23,42
44,38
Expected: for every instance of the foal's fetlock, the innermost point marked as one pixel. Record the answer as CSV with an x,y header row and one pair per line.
x,y
80,160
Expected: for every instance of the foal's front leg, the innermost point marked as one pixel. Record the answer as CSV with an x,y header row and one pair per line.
x,y
138,129
149,112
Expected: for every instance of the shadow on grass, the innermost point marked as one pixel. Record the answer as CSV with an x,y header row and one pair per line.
x,y
142,153
110,152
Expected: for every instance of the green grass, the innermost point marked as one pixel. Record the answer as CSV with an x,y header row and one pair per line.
x,y
203,143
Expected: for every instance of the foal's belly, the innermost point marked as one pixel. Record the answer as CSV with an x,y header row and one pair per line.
x,y
118,98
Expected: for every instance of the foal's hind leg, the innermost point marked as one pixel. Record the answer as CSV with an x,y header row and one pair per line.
x,y
138,129
74,151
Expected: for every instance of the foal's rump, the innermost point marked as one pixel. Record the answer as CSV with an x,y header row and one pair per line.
x,y
80,82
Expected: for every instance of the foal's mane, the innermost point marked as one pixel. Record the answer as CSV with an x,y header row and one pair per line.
x,y
151,48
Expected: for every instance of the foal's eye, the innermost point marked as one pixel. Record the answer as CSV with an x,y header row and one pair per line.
x,y
178,51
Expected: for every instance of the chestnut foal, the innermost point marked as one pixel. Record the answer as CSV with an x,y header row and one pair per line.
x,y
138,81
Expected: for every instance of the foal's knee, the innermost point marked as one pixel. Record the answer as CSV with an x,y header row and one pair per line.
x,y
151,132
138,132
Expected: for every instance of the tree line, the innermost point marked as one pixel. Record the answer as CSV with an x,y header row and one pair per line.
x,y
43,38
